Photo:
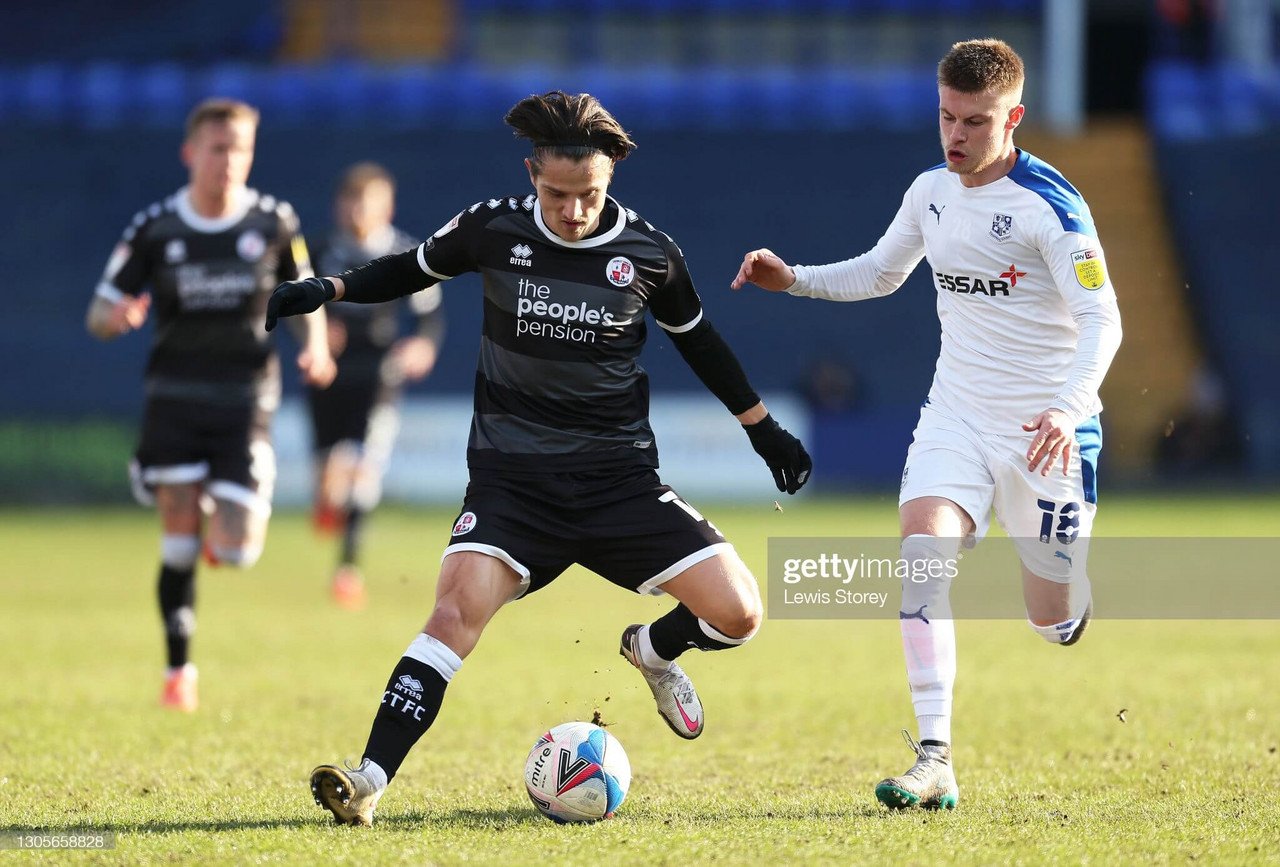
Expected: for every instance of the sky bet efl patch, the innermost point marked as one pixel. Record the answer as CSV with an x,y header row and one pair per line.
x,y
1090,271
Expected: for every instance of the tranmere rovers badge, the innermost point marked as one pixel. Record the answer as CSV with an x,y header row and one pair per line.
x,y
1001,227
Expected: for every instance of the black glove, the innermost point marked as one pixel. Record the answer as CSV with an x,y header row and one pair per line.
x,y
295,299
784,454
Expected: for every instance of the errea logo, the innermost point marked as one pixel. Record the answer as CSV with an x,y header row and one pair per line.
x,y
520,255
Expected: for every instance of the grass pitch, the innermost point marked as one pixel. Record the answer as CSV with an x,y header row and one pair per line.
x,y
801,723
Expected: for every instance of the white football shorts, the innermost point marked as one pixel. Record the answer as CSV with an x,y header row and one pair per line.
x,y
1048,517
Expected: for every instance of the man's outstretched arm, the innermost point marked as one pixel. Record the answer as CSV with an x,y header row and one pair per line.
x,y
380,280
707,354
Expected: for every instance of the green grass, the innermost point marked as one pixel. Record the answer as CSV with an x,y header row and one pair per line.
x,y
802,721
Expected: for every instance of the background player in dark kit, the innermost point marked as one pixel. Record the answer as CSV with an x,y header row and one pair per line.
x,y
210,253
354,421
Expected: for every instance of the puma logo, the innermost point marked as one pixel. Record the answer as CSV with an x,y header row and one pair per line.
x,y
1062,555
936,212
916,615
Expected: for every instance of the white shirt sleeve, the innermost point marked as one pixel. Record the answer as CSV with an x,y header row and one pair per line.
x,y
878,272
1080,272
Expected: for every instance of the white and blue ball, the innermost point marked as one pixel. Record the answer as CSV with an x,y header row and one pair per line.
x,y
577,772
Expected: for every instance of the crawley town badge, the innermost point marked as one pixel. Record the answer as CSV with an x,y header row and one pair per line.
x,y
1001,227
251,245
466,523
620,271
1090,272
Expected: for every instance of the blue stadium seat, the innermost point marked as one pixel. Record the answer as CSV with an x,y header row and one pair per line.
x,y
233,80
43,90
102,96
417,96
291,97
163,94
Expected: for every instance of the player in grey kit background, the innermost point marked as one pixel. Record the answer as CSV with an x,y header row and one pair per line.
x,y
210,254
355,420
561,455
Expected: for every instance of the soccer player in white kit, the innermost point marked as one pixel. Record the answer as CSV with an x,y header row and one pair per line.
x,y
1029,328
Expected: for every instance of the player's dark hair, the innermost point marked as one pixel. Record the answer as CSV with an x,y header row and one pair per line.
x,y
982,65
361,175
219,110
563,125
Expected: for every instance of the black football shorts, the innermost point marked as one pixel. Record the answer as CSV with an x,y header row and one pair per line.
x,y
342,411
627,527
188,441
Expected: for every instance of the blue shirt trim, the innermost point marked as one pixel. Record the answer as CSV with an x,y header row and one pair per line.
x,y
1089,445
1048,183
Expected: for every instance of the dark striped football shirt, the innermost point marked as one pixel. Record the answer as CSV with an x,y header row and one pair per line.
x,y
559,387
210,280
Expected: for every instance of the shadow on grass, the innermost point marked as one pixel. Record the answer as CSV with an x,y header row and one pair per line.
x,y
476,819
494,819
473,819
157,827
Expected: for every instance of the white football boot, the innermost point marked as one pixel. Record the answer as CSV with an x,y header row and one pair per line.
x,y
672,689
349,793
931,782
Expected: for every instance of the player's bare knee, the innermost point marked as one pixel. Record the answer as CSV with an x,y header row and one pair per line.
x,y
731,629
742,626
235,556
450,624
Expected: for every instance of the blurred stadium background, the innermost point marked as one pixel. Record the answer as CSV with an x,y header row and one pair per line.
x,y
791,123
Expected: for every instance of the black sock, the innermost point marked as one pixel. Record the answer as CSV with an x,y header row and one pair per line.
x,y
676,631
351,534
409,707
177,592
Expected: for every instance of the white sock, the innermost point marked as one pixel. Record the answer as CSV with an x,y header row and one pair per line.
x,y
935,727
376,774
929,634
648,656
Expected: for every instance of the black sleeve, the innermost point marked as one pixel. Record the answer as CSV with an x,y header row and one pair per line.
x,y
384,279
129,268
675,304
715,364
678,309
443,256
295,262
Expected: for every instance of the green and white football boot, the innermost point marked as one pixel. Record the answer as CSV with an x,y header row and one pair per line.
x,y
931,782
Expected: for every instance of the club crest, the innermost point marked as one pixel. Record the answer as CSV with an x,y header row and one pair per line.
x,y
1001,227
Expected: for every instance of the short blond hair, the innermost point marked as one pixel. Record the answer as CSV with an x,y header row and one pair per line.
x,y
219,109
981,65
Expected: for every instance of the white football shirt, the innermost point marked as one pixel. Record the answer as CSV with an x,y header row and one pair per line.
x,y
1028,313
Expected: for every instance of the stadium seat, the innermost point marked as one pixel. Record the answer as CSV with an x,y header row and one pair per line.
x,y
162,93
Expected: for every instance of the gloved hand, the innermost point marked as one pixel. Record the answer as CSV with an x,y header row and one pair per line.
x,y
784,454
299,297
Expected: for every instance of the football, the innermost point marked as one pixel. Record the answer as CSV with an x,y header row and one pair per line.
x,y
577,772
